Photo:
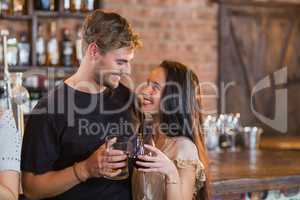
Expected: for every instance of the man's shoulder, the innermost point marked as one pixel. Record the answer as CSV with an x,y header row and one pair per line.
x,y
50,100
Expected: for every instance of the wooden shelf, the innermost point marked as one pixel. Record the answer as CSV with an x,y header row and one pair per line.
x,y
16,68
42,69
16,17
56,14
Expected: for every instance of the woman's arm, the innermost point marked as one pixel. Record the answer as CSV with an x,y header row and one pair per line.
x,y
187,180
9,185
180,183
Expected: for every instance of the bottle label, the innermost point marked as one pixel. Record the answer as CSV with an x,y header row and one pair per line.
x,y
90,5
24,52
52,5
40,46
77,4
12,51
67,4
5,5
68,50
53,52
18,5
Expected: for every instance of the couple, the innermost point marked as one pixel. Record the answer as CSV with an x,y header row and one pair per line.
x,y
63,153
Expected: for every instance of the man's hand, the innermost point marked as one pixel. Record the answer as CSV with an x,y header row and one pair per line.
x,y
103,163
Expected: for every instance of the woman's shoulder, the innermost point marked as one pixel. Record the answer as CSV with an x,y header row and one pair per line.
x,y
185,149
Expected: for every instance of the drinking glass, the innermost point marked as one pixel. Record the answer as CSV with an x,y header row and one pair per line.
x,y
121,143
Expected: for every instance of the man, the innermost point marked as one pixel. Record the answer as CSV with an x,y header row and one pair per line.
x,y
63,153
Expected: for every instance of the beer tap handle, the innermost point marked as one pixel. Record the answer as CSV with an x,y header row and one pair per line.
x,y
4,34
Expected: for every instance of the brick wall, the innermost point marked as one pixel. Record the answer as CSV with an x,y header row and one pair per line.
x,y
182,30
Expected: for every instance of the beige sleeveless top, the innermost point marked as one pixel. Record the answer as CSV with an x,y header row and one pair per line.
x,y
183,152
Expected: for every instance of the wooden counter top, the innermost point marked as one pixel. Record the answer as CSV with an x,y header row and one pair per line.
x,y
254,171
284,143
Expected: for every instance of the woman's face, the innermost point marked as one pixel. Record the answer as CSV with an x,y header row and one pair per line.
x,y
152,92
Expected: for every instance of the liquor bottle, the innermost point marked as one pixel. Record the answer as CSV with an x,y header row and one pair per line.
x,y
67,5
52,5
67,49
89,5
52,47
78,47
24,49
40,48
75,5
12,51
19,7
46,5
6,7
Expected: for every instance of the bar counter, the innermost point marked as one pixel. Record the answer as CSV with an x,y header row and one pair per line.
x,y
254,171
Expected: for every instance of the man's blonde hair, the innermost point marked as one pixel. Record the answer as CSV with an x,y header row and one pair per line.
x,y
109,31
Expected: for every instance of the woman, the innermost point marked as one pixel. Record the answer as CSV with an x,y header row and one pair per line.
x,y
10,147
178,167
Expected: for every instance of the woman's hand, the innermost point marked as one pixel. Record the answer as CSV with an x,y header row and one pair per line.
x,y
157,163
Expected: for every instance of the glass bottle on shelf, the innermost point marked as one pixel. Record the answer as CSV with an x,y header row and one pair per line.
x,y
52,47
24,50
12,50
67,5
19,7
78,47
6,7
52,5
46,5
83,6
67,49
87,5
40,48
75,5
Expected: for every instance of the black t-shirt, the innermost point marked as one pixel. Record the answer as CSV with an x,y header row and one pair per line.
x,y
67,126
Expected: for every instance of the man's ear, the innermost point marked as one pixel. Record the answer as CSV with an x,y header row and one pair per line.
x,y
93,51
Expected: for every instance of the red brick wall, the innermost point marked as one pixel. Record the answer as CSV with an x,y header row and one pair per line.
x,y
182,30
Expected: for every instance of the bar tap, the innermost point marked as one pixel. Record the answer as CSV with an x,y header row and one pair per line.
x,y
18,95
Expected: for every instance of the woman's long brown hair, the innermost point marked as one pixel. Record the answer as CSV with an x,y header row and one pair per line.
x,y
199,136
189,112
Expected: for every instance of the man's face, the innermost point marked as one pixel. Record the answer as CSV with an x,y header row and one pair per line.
x,y
110,66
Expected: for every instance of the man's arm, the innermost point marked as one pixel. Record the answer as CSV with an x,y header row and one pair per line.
x,y
53,183
49,184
